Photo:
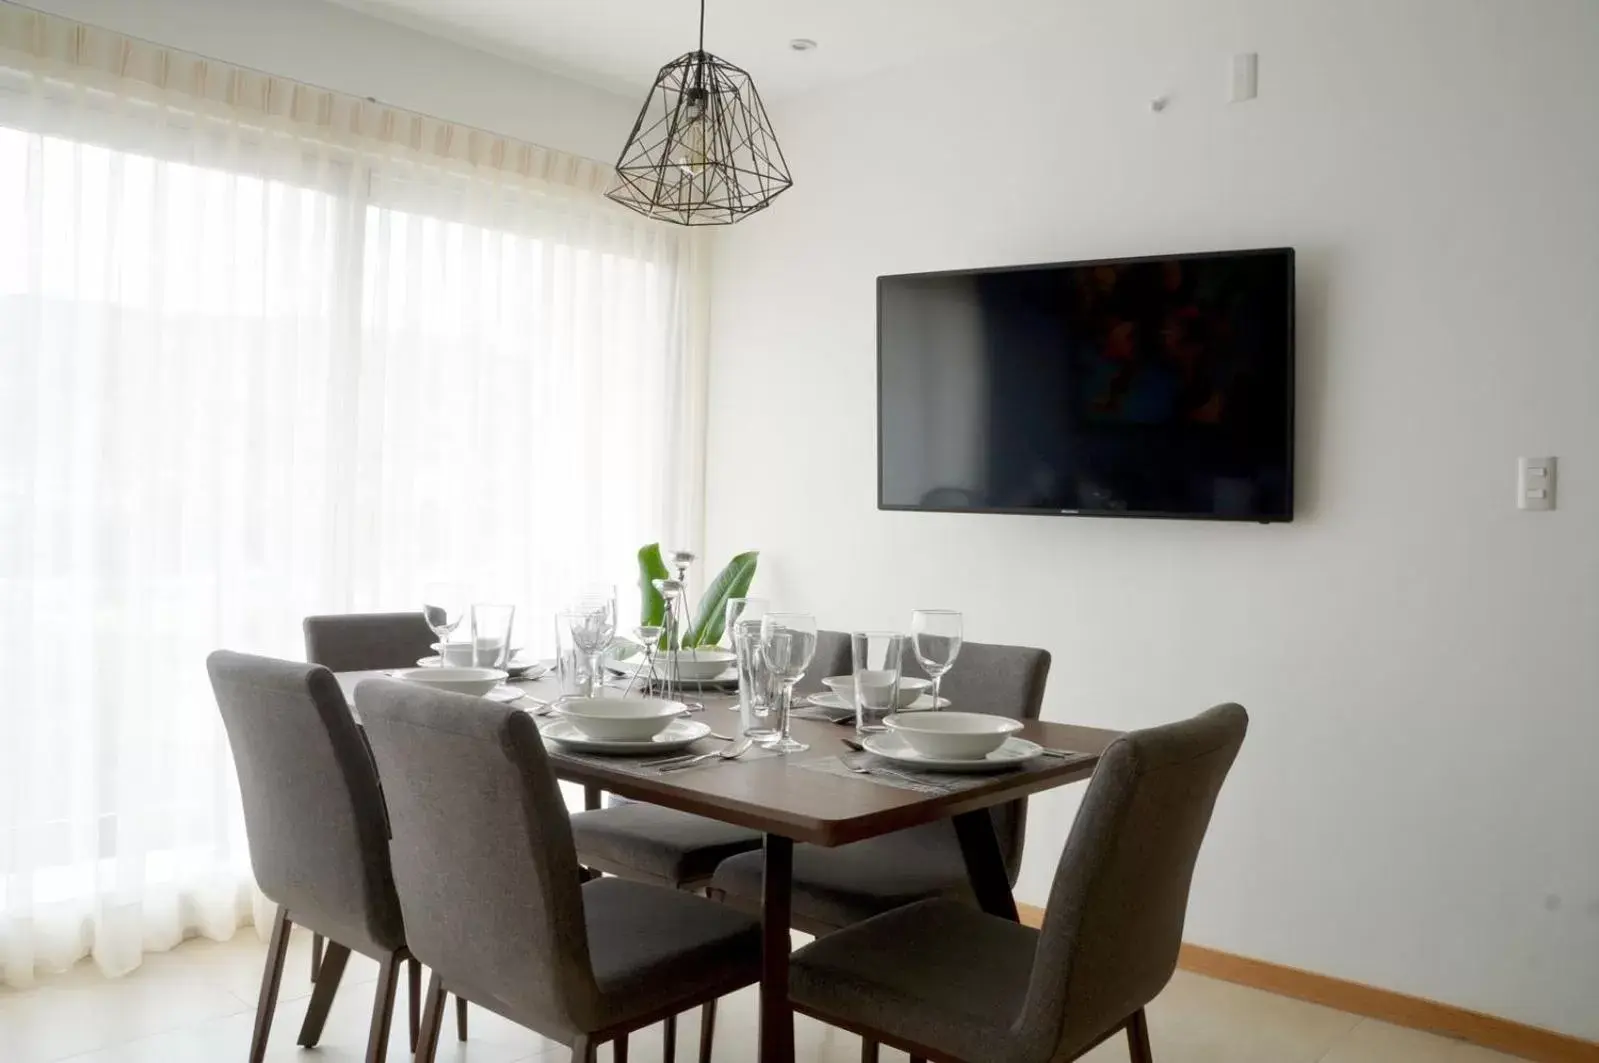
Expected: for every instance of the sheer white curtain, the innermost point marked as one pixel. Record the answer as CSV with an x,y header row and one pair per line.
x,y
267,351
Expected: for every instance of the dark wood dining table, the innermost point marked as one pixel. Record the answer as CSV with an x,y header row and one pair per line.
x,y
788,804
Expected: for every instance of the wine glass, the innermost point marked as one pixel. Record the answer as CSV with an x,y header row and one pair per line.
x,y
444,606
788,641
593,630
936,641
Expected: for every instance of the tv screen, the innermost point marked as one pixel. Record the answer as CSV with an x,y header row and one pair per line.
x,y
1150,387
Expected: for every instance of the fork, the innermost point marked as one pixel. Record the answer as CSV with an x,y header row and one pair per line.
x,y
862,769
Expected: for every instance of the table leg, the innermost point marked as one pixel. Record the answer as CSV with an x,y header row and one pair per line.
x,y
591,797
985,864
777,1019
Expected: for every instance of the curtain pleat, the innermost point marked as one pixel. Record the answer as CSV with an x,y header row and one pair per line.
x,y
265,352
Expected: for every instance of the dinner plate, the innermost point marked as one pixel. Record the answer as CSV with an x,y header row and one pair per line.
x,y
503,693
519,667
1014,753
628,666
834,701
678,734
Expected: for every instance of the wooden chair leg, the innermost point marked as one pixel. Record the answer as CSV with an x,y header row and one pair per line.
x,y
707,1030
316,955
329,973
619,1049
1138,1038
377,1040
413,979
868,1051
582,1050
669,1040
427,1038
271,978
460,1018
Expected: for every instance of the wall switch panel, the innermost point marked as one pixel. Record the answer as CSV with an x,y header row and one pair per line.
x,y
1246,76
1535,483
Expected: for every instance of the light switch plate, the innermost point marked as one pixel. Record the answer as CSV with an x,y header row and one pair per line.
x,y
1535,483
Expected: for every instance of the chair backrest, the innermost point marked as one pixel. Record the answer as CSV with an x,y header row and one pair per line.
x,y
1115,918
313,812
360,642
1004,681
482,852
832,657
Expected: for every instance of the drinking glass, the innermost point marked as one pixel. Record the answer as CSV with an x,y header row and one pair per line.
x,y
444,606
742,609
491,634
788,641
754,679
593,630
571,667
878,658
649,637
936,638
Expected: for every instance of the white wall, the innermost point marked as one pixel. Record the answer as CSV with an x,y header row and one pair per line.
x,y
331,47
1417,806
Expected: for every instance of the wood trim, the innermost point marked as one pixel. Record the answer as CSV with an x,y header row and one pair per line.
x,y
1416,1013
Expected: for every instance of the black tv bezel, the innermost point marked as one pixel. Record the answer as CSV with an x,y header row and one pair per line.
x,y
1285,517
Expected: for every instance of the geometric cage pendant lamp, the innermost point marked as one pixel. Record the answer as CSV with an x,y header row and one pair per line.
x,y
702,151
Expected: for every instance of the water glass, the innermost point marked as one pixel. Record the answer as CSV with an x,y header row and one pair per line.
x,y
754,680
571,664
742,609
593,630
491,634
936,640
878,664
788,642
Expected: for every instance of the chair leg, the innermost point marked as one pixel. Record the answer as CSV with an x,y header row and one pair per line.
x,y
329,973
619,1049
316,955
1138,1038
413,987
918,1059
582,1050
377,1040
868,1051
271,978
669,1040
707,1030
460,1018
427,1038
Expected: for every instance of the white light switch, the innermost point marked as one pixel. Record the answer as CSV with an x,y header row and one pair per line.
x,y
1246,76
1535,483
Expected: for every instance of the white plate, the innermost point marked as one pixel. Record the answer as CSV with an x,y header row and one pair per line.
x,y
834,701
503,693
1014,753
519,667
678,734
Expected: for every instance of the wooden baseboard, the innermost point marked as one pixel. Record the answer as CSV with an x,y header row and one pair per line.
x,y
1417,1013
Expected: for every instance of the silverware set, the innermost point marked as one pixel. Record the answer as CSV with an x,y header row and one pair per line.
x,y
732,752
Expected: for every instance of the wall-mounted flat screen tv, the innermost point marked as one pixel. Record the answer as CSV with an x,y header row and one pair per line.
x,y
1143,387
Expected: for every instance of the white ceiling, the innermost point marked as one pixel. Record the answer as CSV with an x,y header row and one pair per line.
x,y
620,44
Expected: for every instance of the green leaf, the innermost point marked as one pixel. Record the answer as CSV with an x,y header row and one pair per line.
x,y
732,582
652,611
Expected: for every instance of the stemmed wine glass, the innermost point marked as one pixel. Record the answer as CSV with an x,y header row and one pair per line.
x,y
788,641
593,624
444,606
936,641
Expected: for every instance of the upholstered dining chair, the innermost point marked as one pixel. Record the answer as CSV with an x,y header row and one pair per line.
x,y
318,834
648,843
836,887
488,880
947,983
363,642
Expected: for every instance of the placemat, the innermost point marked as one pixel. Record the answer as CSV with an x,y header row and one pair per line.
x,y
888,773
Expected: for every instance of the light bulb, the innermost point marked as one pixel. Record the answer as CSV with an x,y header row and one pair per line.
x,y
691,142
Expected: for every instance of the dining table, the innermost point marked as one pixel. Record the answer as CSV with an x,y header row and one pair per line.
x,y
787,804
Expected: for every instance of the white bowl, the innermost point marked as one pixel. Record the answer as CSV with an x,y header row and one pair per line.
x,y
910,688
953,735
460,653
474,681
618,720
695,666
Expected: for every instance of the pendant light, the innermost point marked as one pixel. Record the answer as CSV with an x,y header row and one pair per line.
x,y
702,151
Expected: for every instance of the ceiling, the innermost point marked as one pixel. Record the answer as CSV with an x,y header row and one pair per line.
x,y
620,44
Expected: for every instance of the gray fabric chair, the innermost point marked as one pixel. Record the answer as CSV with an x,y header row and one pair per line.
x,y
360,642
364,642
488,880
943,981
834,888
317,831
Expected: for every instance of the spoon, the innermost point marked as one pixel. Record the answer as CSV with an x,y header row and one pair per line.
x,y
732,752
862,769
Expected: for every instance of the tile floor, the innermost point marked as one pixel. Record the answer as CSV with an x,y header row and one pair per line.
x,y
196,1005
